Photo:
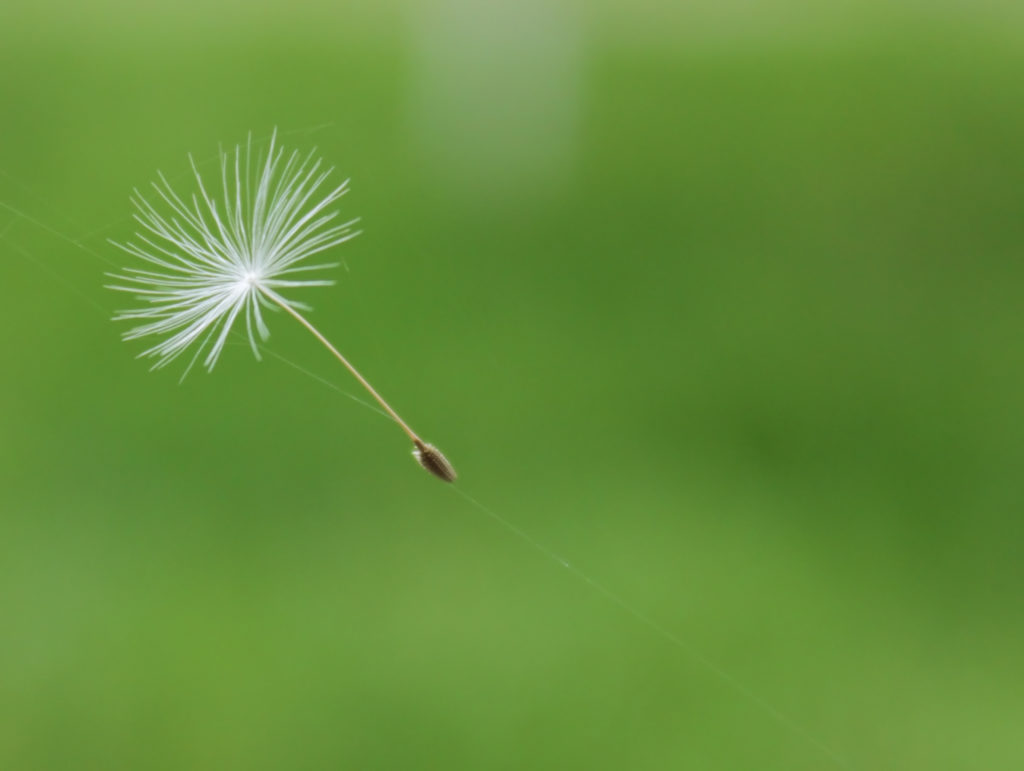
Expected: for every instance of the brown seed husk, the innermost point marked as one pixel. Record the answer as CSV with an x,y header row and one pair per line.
x,y
433,460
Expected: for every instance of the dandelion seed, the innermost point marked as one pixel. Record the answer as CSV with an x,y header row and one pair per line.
x,y
221,258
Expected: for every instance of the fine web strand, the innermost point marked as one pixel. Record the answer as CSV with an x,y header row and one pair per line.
x,y
106,313
54,232
56,276
286,306
677,642
323,381
780,717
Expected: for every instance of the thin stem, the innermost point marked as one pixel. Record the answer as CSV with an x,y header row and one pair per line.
x,y
277,299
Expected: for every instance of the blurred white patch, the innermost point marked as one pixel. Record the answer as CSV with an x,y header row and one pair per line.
x,y
497,92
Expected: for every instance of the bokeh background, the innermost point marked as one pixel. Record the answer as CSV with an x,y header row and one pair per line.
x,y
721,302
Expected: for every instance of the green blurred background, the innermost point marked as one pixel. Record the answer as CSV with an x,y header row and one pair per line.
x,y
719,302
